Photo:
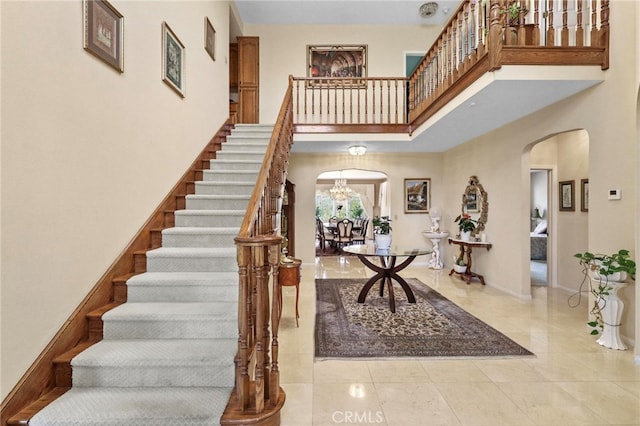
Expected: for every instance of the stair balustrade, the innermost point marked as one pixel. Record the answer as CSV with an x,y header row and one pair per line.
x,y
480,37
257,392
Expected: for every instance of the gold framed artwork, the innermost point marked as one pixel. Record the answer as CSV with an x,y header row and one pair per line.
x,y
172,60
209,38
104,32
417,195
341,61
567,196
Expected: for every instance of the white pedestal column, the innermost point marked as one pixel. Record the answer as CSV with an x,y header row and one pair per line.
x,y
611,315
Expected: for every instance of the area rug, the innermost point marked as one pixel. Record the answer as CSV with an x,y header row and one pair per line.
x,y
432,327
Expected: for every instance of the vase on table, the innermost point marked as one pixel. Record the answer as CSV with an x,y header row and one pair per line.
x,y
382,241
465,235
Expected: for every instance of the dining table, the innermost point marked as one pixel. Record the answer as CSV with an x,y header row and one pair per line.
x,y
387,270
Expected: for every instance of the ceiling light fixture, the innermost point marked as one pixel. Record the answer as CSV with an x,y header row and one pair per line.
x,y
428,9
357,150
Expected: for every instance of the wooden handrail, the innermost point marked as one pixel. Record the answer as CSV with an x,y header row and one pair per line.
x,y
480,37
257,384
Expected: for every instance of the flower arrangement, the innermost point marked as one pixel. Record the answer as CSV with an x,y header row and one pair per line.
x,y
465,223
381,225
458,260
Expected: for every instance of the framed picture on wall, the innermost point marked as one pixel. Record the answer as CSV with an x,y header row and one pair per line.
x,y
209,38
172,60
417,195
104,32
567,195
343,61
584,195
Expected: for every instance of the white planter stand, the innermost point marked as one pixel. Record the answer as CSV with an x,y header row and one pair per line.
x,y
435,236
611,315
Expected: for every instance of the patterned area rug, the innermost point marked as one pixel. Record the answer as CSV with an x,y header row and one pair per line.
x,y
432,327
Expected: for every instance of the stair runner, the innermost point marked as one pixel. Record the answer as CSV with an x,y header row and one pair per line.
x,y
167,354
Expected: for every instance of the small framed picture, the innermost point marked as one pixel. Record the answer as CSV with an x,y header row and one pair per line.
x,y
172,60
584,195
417,195
104,32
567,195
209,38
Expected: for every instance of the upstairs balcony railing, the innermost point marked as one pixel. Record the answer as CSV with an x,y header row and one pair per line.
x,y
481,36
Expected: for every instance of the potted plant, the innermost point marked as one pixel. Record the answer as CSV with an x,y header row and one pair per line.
x,y
382,232
606,274
466,225
459,265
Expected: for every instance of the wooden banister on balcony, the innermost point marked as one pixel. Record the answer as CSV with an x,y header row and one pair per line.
x,y
480,37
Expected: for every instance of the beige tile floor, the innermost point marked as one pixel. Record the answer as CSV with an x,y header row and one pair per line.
x,y
571,381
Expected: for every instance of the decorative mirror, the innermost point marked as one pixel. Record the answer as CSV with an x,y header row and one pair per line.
x,y
475,203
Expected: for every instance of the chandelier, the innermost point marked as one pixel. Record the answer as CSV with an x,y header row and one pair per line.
x,y
340,190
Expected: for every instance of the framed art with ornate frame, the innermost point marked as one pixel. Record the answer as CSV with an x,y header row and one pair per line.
x,y
104,32
341,61
417,195
172,60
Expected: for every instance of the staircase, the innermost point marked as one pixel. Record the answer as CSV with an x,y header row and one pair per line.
x,y
167,354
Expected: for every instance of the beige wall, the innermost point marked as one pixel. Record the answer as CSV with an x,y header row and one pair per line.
x,y
283,52
501,160
87,152
305,168
98,187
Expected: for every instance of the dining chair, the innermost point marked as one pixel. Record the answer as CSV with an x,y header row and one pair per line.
x,y
345,233
325,237
360,236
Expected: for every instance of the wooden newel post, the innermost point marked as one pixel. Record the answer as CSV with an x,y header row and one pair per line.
x,y
494,38
242,357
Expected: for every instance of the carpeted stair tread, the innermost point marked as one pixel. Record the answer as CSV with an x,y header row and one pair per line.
x,y
185,278
171,320
158,352
192,259
156,363
199,236
183,287
184,311
201,406
210,212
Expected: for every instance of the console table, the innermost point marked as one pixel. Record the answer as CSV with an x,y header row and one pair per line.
x,y
465,253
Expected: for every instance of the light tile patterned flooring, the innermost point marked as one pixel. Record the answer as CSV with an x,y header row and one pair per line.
x,y
572,381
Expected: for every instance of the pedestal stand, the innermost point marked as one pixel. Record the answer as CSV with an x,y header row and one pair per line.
x,y
611,315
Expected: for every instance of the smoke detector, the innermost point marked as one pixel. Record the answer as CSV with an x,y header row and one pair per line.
x,y
428,9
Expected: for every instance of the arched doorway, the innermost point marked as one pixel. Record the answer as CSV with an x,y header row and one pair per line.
x,y
352,194
562,158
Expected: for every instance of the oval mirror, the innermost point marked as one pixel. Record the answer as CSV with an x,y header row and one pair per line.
x,y
475,203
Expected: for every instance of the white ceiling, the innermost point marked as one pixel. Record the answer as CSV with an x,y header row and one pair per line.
x,y
495,100
345,12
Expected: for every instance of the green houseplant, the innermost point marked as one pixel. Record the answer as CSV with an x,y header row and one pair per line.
x,y
605,269
382,232
381,225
